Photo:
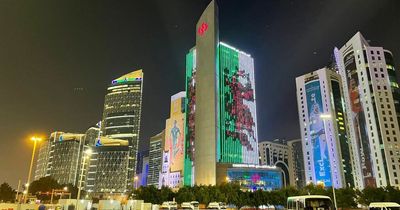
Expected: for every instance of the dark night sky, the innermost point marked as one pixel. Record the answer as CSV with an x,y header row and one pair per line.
x,y
57,57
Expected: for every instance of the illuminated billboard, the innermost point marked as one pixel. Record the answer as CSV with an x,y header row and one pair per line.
x,y
318,140
174,139
358,115
174,142
255,179
237,141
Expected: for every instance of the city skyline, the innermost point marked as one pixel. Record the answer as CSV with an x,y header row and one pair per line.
x,y
43,116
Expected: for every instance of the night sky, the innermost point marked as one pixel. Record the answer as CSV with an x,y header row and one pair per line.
x,y
57,58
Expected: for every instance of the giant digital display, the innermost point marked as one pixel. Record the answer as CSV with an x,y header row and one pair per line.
x,y
174,140
238,129
190,118
174,143
256,179
359,123
318,141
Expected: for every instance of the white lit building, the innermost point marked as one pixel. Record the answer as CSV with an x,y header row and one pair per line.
x,y
326,145
372,97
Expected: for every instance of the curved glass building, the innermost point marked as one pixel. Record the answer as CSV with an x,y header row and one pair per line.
x,y
121,116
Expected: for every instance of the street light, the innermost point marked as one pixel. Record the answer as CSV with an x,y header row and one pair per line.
x,y
136,178
35,139
328,117
86,155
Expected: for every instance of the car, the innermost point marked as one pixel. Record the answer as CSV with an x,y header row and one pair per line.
x,y
384,206
193,205
170,205
216,205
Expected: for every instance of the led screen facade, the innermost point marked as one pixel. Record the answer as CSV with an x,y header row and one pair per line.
x,y
174,143
237,141
256,179
190,116
174,139
358,115
318,140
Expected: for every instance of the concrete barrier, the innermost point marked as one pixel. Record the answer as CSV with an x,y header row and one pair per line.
x,y
15,206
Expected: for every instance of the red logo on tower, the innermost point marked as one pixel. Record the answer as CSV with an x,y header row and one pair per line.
x,y
202,29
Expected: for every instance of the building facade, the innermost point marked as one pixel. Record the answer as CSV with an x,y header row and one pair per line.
x,y
107,169
155,158
60,157
327,147
122,114
296,149
277,153
173,158
221,105
42,160
371,96
255,177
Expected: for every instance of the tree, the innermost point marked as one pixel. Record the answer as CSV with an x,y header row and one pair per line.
x,y
258,198
392,194
72,189
44,184
149,194
166,194
231,191
370,194
6,193
185,194
346,198
202,194
43,187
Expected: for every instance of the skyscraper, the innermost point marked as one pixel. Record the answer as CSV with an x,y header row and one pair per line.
x,y
371,96
327,147
155,158
122,113
42,160
60,157
107,170
296,148
174,143
221,110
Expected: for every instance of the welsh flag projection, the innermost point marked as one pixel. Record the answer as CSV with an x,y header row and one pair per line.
x,y
237,107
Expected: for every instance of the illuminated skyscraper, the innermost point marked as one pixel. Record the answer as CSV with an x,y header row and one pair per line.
x,y
60,157
155,158
327,147
173,157
122,113
373,109
107,170
221,106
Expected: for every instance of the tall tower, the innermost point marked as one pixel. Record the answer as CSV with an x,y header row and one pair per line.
x,y
323,126
206,117
122,113
371,90
221,118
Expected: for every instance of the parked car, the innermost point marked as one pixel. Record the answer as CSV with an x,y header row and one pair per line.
x,y
384,206
193,205
170,205
216,205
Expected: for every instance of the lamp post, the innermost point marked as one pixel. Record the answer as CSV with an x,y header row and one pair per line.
x,y
86,155
136,178
35,140
328,117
